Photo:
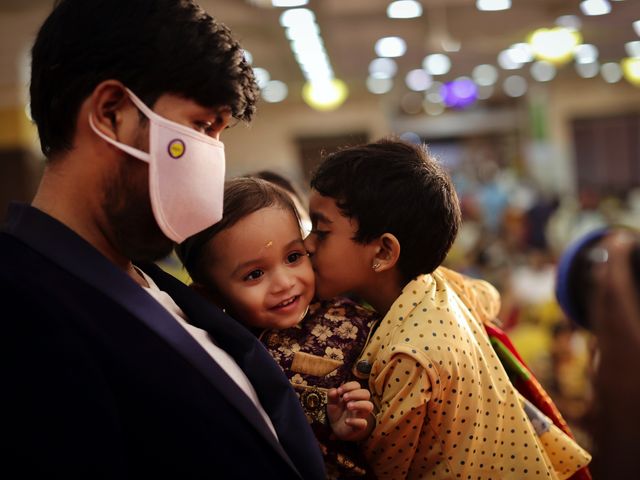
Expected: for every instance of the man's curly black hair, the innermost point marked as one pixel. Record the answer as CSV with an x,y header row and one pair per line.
x,y
152,46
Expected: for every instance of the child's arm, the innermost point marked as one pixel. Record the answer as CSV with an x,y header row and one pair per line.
x,y
350,411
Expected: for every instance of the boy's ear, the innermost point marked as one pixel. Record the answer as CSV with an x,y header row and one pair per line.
x,y
387,253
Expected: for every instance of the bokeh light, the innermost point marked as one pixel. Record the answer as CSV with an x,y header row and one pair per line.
x,y
459,93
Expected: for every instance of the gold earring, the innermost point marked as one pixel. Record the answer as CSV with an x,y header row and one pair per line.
x,y
375,266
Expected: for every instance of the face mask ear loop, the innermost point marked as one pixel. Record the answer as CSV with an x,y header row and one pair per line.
x,y
150,114
139,154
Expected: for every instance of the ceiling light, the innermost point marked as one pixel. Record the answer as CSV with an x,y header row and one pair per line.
x,y
304,29
433,108
459,93
520,52
418,80
588,70
506,61
631,70
515,86
404,9
322,90
289,3
434,90
383,68
274,91
586,53
633,48
636,27
595,7
411,103
493,5
390,47
434,97
611,72
485,91
485,75
297,17
437,64
325,95
450,45
262,76
554,45
379,85
571,22
543,71
411,137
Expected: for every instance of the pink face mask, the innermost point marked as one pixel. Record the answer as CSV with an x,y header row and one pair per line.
x,y
186,174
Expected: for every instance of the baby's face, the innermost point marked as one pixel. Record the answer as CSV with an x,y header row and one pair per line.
x,y
262,270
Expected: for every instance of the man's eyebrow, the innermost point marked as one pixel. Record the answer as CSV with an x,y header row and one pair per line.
x,y
318,217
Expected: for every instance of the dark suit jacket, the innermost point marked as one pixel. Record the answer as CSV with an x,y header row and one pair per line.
x,y
100,381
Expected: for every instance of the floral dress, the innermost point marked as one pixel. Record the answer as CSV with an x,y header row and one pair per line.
x,y
318,354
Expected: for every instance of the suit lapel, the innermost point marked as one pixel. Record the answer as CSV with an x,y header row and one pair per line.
x,y
87,264
238,342
272,386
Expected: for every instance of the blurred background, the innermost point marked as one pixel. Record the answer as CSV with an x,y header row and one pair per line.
x,y
532,105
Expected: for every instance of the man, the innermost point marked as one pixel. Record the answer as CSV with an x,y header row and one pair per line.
x,y
112,368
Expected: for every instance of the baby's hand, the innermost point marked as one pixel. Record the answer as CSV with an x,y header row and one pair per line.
x,y
350,411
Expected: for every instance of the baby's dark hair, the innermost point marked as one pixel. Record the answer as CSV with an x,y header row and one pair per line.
x,y
396,187
242,197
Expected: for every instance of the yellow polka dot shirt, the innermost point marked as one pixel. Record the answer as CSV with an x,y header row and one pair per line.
x,y
445,406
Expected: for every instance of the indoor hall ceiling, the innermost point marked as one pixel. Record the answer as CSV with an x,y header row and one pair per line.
x,y
350,28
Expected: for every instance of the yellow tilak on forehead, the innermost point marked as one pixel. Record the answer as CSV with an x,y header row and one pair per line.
x,y
268,244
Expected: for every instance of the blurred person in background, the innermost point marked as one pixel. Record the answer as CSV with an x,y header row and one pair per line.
x,y
598,286
615,316
111,367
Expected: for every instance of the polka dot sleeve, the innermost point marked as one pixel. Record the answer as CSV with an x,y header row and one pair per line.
x,y
404,390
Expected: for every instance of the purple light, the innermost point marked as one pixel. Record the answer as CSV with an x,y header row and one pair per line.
x,y
459,93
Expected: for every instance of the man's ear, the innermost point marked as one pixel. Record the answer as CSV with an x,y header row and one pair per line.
x,y
387,253
108,105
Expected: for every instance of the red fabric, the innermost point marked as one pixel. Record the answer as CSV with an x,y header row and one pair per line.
x,y
531,389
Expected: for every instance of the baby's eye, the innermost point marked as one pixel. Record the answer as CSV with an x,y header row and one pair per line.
x,y
295,256
253,275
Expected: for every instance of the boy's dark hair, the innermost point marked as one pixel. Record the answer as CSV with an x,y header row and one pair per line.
x,y
151,46
392,186
242,197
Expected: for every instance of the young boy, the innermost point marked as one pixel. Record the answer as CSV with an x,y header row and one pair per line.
x,y
384,216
